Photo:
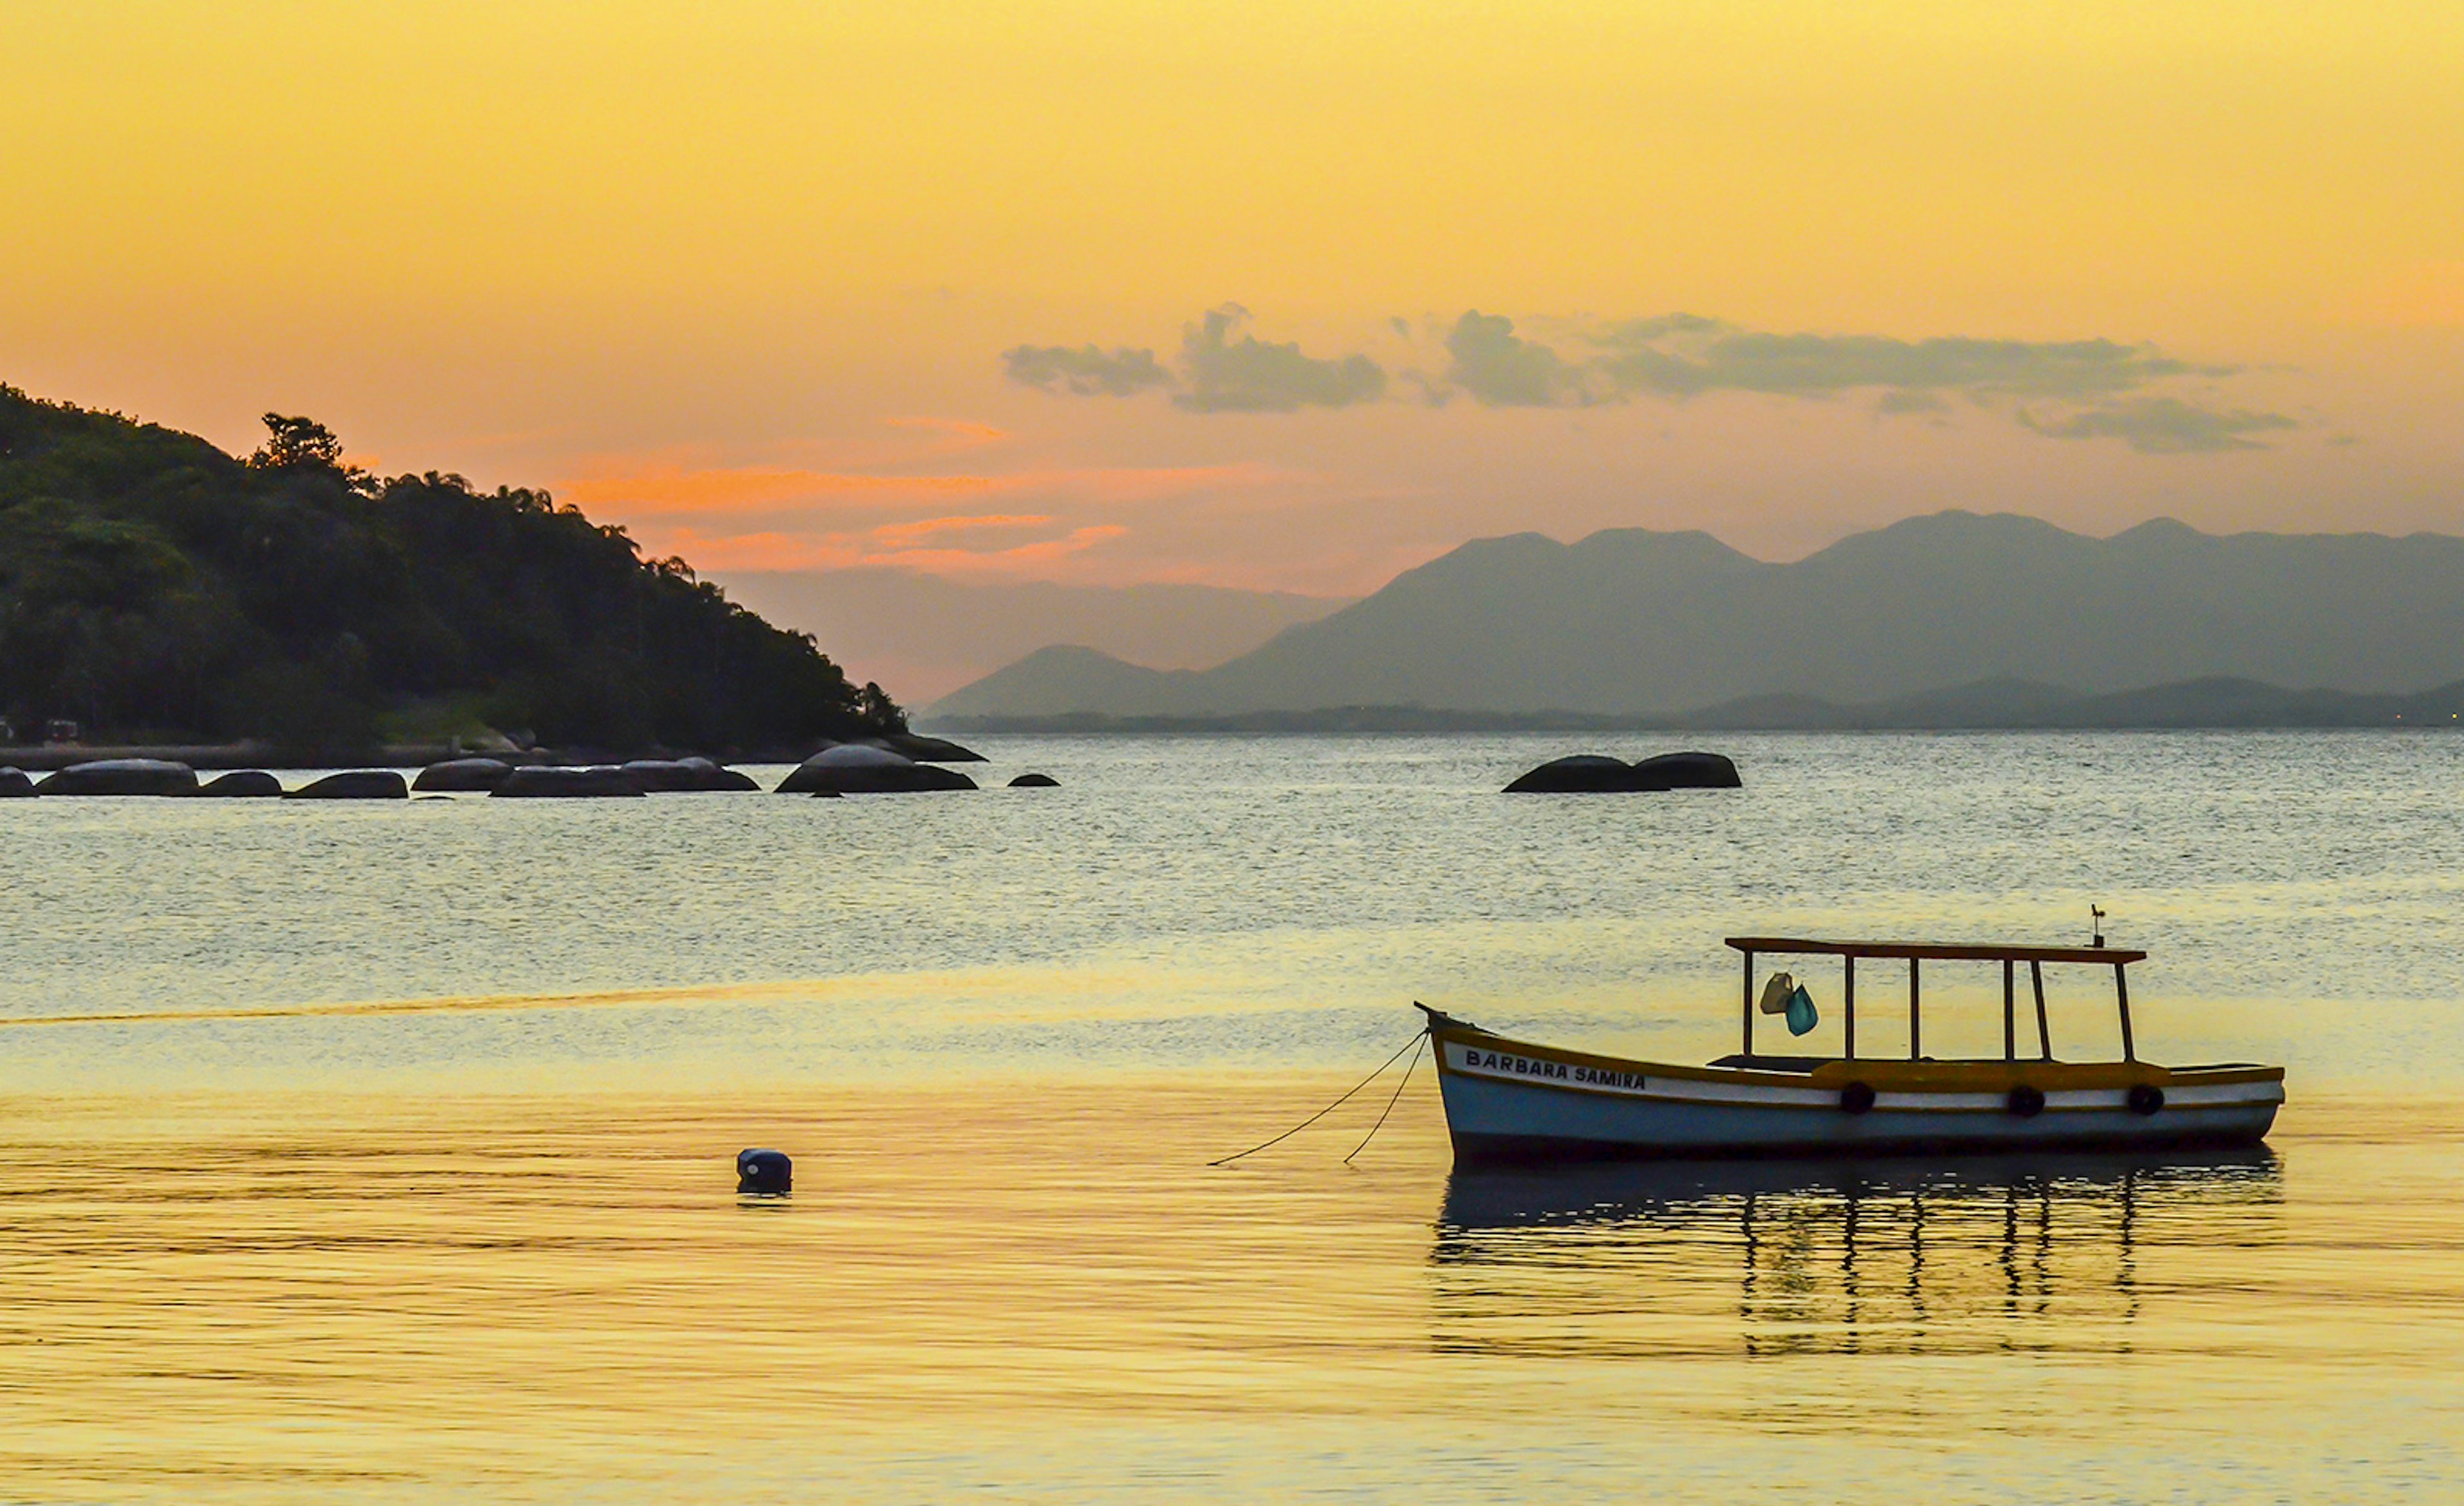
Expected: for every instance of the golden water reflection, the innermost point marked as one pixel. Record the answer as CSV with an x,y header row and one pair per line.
x,y
1038,1290
2038,1253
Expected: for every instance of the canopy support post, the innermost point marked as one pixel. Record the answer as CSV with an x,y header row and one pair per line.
x,y
2044,1032
1915,1038
1750,1006
1848,1004
2010,1029
2121,994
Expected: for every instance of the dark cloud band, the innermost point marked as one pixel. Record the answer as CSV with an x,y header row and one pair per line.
x,y
1087,371
2098,389
1248,375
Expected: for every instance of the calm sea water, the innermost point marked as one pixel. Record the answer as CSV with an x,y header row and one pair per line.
x,y
385,1152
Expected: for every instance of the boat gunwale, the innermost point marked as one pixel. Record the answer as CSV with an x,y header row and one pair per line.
x,y
1882,1073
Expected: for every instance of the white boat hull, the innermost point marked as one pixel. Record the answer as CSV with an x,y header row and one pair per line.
x,y
1507,1101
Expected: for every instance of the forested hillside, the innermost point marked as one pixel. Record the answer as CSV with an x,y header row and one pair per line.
x,y
155,588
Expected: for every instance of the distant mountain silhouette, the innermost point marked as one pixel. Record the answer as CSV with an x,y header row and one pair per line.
x,y
1630,623
930,634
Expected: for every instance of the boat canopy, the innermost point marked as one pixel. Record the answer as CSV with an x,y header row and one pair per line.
x,y
1938,951
1915,953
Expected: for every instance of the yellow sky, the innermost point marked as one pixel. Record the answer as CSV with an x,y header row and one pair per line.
x,y
763,252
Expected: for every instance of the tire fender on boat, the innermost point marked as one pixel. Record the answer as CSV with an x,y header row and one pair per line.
x,y
2025,1103
1856,1098
2145,1098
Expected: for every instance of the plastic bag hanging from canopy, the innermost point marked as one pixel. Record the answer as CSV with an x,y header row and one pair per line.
x,y
1801,1017
1777,993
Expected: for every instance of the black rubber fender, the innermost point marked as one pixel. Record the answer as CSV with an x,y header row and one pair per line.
x,y
2145,1098
1857,1097
2025,1102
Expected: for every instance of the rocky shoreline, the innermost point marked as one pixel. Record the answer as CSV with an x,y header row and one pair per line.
x,y
893,763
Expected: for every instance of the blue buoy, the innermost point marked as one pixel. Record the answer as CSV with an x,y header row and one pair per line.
x,y
766,1171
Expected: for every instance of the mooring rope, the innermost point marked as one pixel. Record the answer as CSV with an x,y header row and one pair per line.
x,y
1390,1104
1415,1043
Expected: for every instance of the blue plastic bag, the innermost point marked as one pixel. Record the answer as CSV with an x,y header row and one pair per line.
x,y
1801,1017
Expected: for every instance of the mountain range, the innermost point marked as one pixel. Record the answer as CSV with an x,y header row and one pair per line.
x,y
929,634
1647,626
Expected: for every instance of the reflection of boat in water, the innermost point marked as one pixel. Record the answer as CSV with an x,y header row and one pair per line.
x,y
2041,1251
1514,1100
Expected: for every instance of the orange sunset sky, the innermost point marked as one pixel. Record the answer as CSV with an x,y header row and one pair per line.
x,y
1282,295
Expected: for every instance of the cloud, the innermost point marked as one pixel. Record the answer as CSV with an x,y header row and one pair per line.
x,y
1499,368
662,490
1683,355
750,489
1219,373
1087,371
2164,426
1250,376
873,549
2109,388
1904,400
912,533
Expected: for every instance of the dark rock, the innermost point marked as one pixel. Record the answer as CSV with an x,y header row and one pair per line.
x,y
551,781
1582,773
686,776
826,794
911,746
1686,771
659,776
15,785
927,750
462,775
1590,773
121,776
359,784
858,768
242,784
1034,782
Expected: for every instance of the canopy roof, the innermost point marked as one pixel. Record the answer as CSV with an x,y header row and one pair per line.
x,y
1931,951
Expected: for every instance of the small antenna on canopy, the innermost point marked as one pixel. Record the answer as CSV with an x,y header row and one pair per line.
x,y
2095,926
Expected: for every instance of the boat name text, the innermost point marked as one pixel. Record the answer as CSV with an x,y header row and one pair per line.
x,y
1506,1064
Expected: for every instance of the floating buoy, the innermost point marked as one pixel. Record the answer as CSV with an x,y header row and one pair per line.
x,y
1857,1097
2145,1098
764,1171
2025,1103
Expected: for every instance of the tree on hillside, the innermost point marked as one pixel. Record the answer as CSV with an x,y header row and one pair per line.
x,y
294,442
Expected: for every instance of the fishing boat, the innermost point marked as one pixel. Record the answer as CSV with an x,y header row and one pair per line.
x,y
1510,1100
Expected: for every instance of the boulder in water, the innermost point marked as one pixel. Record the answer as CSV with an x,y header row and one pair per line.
x,y
1686,771
1591,773
462,776
685,776
911,746
15,785
242,784
121,776
1582,773
859,768
358,783
1035,782
552,782
930,750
